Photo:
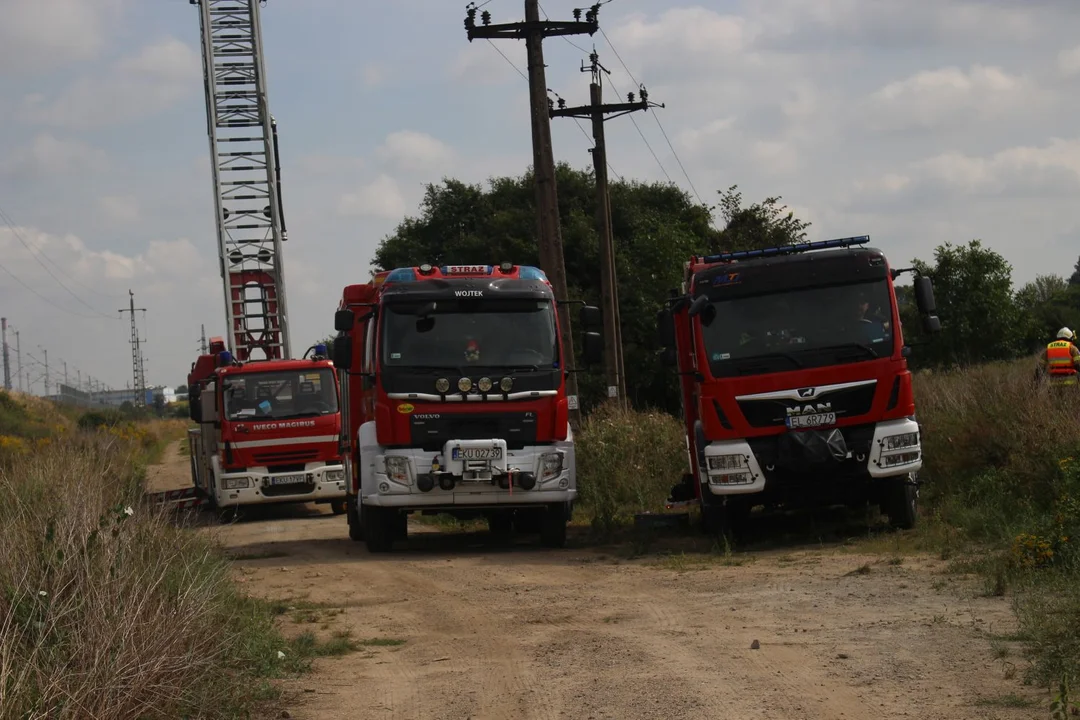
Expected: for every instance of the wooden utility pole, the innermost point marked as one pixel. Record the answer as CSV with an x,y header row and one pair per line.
x,y
549,232
597,111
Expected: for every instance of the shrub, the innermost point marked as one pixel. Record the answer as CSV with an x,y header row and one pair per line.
x,y
106,417
627,462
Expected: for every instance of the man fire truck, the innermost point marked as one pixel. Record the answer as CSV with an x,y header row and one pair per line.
x,y
268,431
795,385
455,400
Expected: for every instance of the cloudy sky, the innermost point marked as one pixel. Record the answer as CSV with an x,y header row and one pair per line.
x,y
915,121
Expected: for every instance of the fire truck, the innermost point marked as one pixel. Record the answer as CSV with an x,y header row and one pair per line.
x,y
795,387
454,400
268,431
268,424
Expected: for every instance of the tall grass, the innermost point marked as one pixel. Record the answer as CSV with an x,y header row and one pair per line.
x,y
627,462
109,610
1003,470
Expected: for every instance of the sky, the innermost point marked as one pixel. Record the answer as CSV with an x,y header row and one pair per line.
x,y
917,122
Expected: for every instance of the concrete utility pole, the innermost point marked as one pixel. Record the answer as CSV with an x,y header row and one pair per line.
x,y
46,353
202,339
7,358
597,111
18,360
549,232
136,353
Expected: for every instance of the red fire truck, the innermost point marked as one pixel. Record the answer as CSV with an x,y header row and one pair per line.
x,y
795,385
268,431
455,400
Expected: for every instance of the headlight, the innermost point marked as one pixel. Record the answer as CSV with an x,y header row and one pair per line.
x,y
726,462
397,468
335,475
550,465
235,483
442,385
904,440
484,384
464,384
505,384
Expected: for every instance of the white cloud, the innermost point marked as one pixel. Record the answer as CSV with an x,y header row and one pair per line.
x,y
381,198
47,156
1069,61
948,96
415,151
134,87
326,164
694,31
38,35
120,208
699,139
373,75
480,64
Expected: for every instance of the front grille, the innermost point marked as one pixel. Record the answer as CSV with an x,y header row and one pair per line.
x,y
279,457
781,452
431,432
293,489
845,403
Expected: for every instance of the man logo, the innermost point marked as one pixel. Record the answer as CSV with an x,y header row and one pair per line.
x,y
806,392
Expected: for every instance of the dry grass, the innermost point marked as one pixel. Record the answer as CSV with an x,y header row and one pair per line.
x,y
627,462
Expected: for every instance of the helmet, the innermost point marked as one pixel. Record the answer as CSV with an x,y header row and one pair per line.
x,y
1065,334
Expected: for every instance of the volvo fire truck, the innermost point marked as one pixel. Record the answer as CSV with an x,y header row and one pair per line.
x,y
268,424
455,401
795,387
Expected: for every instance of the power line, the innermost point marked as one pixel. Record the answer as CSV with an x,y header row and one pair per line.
x,y
17,279
512,64
655,117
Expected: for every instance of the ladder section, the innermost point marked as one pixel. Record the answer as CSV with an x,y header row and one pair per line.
x,y
243,161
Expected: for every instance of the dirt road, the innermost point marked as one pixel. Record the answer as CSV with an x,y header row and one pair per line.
x,y
454,627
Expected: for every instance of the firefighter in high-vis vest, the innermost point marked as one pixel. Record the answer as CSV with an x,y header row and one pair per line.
x,y
1062,360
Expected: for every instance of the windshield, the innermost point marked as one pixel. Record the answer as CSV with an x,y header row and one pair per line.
x,y
501,333
809,327
281,394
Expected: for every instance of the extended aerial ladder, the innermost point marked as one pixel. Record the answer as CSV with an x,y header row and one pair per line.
x,y
247,177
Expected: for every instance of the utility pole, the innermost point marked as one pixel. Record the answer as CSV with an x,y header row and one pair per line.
x,y
7,359
202,339
18,360
549,233
136,353
597,112
46,352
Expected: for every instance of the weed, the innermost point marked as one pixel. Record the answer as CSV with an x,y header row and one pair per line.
x,y
1007,701
382,642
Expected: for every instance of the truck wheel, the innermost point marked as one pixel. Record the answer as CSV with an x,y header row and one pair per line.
x,y
726,521
553,527
401,526
900,501
380,526
356,530
501,524
528,522
338,506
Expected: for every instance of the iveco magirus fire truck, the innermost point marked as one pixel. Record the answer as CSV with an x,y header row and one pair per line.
x,y
269,431
795,385
455,400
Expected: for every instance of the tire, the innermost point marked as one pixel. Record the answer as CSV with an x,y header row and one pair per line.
x,y
356,530
339,506
553,526
900,501
401,526
380,527
528,522
501,525
726,521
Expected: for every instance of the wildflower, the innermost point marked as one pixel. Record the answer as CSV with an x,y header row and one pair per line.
x,y
280,655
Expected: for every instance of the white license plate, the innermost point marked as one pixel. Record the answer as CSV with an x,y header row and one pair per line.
x,y
808,421
287,479
494,453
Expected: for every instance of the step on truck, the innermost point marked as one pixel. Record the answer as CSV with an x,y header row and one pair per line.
x,y
454,398
794,381
268,431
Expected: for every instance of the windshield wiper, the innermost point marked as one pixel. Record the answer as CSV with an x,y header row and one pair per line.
x,y
866,349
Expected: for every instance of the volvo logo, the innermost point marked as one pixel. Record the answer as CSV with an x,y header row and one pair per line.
x,y
806,392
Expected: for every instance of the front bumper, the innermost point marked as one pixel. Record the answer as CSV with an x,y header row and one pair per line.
x,y
383,488
322,483
745,471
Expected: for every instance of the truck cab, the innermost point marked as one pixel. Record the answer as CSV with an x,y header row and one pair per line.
x,y
794,381
455,400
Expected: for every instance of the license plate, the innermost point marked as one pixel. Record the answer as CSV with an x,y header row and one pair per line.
x,y
494,453
287,479
808,421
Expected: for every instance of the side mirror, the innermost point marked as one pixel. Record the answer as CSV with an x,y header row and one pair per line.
x,y
924,295
905,351
700,303
343,353
592,348
591,318
344,320
931,324
665,329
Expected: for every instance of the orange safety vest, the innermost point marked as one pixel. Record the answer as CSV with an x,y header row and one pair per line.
x,y
1059,358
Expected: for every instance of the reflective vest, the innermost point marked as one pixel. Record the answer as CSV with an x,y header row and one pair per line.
x,y
1059,359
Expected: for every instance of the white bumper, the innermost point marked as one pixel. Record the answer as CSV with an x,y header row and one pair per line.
x,y
746,476
322,483
381,488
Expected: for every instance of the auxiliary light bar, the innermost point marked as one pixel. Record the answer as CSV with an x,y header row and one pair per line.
x,y
787,249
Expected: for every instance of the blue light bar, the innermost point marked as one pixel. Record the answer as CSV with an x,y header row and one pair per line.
x,y
528,272
224,358
401,275
787,249
320,349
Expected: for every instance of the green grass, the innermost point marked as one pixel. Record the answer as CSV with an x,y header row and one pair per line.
x,y
382,642
1007,701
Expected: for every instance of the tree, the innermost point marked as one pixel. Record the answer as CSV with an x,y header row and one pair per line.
x,y
1074,279
656,228
981,320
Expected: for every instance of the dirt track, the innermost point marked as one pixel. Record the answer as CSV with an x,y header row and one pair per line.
x,y
465,629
